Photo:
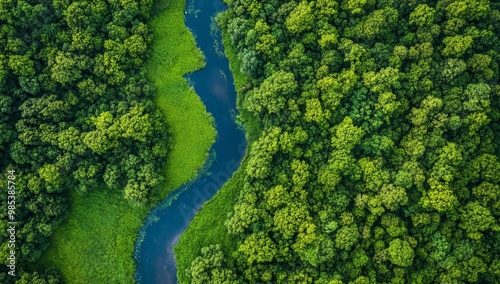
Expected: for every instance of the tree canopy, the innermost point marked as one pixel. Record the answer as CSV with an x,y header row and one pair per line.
x,y
76,113
378,159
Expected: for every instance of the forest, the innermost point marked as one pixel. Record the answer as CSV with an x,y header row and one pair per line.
x,y
378,160
76,114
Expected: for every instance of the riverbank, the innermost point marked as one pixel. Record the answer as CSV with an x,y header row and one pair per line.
x,y
96,243
208,227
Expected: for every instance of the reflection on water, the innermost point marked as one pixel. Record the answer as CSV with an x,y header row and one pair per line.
x,y
220,87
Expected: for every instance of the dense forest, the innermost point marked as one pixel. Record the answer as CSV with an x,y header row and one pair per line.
x,y
76,113
379,156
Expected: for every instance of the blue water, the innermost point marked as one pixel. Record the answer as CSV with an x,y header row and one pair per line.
x,y
214,84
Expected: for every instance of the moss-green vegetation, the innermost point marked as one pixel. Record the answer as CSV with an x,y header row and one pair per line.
x,y
175,54
96,243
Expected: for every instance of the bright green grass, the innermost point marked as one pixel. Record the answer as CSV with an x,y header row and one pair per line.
x,y
175,54
208,226
96,243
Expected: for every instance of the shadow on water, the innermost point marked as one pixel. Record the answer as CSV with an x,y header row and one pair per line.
x,y
214,84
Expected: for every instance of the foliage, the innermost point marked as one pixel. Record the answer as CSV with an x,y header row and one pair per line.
x,y
378,157
78,122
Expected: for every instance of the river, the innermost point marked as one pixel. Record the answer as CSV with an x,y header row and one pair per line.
x,y
214,84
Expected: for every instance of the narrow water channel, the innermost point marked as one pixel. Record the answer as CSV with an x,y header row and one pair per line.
x,y
214,84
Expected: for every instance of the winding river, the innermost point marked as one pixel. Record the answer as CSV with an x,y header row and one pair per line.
x,y
214,84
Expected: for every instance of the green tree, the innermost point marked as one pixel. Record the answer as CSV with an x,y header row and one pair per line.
x,y
301,18
393,197
258,248
346,136
271,95
456,46
475,219
422,16
52,176
400,253
211,267
22,65
346,237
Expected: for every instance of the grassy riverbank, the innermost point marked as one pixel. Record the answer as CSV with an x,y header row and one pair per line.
x,y
95,244
208,226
